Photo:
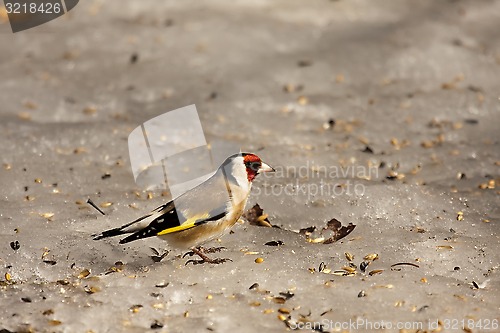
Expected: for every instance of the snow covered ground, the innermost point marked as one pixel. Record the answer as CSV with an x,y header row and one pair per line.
x,y
381,114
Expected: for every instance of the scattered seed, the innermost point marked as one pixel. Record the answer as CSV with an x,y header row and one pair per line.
x,y
349,256
279,300
156,325
399,303
8,277
474,283
289,88
326,271
386,286
186,314
363,265
162,285
342,273
367,150
460,216
325,312
106,204
375,272
274,243
255,303
423,280
284,310
55,322
316,240
362,293
15,245
322,267
281,317
444,247
427,144
136,308
63,282
304,63
372,257
50,262
423,308
259,260
89,110
287,294
48,312
38,180
268,311
24,115
7,166
79,150
349,269
157,257
47,215
91,290
26,299
254,286
83,274
483,186
302,100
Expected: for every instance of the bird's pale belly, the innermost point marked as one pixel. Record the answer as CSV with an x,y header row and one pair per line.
x,y
204,233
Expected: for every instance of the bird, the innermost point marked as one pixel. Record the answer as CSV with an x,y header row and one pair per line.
x,y
201,214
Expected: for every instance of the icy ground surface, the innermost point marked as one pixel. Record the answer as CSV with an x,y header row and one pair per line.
x,y
385,116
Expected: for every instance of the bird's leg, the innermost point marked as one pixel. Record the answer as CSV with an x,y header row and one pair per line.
x,y
204,250
213,249
199,251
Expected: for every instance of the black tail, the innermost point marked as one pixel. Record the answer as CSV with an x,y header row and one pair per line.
x,y
119,230
109,233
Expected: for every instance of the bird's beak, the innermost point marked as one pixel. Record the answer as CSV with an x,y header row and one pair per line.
x,y
266,168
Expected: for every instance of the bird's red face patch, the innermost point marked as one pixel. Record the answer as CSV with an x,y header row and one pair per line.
x,y
252,164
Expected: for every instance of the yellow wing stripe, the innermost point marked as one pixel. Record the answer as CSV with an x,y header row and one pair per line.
x,y
190,223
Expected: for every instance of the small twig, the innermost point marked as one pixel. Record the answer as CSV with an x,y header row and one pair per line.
x,y
90,202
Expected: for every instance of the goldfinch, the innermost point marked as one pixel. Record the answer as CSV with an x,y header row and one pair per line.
x,y
201,214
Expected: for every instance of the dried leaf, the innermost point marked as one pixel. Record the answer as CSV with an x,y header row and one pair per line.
x,y
256,216
339,231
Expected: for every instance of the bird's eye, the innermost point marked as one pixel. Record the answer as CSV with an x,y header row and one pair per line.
x,y
253,165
